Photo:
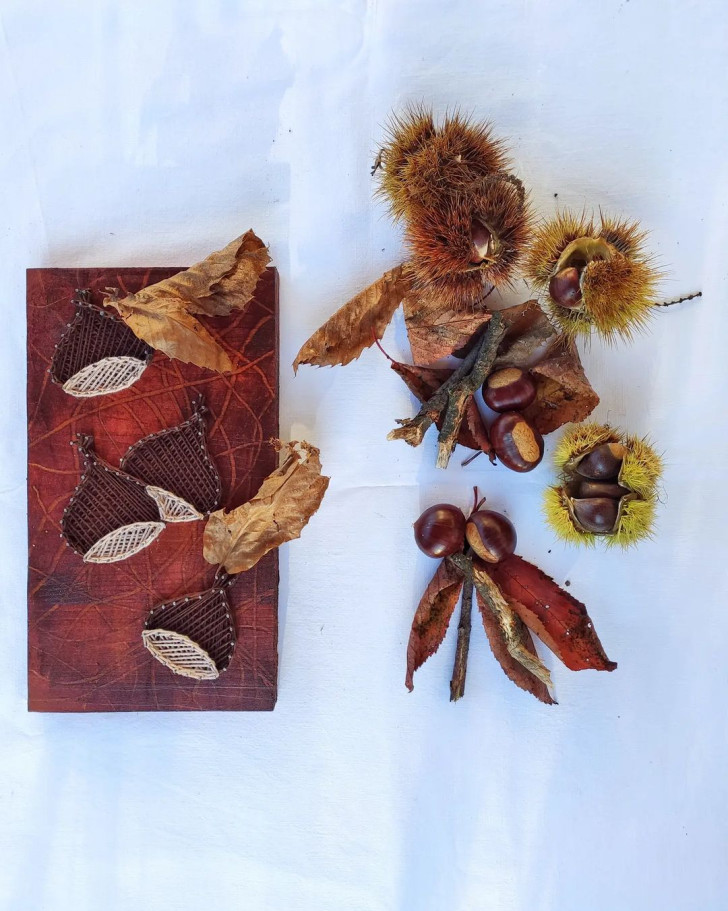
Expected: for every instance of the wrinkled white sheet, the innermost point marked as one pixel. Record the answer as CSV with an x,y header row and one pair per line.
x,y
153,133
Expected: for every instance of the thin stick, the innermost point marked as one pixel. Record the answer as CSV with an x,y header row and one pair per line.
x,y
453,395
680,300
459,396
470,458
460,667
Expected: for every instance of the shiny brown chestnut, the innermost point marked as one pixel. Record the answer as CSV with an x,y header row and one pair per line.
x,y
611,489
517,443
509,389
597,514
565,288
440,530
491,535
602,463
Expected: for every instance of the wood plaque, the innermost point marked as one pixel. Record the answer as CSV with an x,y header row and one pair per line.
x,y
85,651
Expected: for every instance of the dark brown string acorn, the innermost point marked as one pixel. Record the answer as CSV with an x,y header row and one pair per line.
x,y
515,599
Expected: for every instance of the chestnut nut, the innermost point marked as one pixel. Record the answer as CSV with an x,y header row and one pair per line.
x,y
602,463
611,489
509,389
597,514
565,288
517,443
440,530
491,535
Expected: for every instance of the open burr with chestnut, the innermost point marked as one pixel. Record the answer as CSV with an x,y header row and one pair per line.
x,y
607,488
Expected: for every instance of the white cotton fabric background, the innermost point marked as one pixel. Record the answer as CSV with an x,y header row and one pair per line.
x,y
142,133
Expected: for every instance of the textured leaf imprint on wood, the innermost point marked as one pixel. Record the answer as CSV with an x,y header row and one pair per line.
x,y
84,620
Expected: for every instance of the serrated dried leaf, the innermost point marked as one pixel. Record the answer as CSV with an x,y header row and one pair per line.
x,y
529,336
563,393
422,382
164,314
554,615
513,669
432,617
435,332
354,327
280,510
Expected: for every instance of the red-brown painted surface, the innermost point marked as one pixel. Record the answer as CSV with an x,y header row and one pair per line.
x,y
85,651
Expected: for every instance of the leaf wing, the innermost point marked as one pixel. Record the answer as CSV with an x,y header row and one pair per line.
x,y
278,512
432,618
554,615
353,327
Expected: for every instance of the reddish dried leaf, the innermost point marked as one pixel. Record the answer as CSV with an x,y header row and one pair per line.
x,y
422,382
432,617
354,327
513,669
435,331
563,393
556,617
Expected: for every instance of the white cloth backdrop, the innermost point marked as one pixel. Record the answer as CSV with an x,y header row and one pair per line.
x,y
152,133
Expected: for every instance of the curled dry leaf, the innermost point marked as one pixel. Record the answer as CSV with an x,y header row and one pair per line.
x,y
557,618
435,332
164,314
432,617
563,393
513,669
353,327
277,513
423,382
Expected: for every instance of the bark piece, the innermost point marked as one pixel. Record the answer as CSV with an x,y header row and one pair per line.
x,y
423,382
513,669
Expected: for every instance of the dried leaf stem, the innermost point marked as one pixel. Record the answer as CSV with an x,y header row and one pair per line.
x,y
511,625
452,397
460,668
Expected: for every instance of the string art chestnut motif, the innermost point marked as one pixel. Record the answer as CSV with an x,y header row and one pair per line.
x,y
98,354
194,636
110,515
177,469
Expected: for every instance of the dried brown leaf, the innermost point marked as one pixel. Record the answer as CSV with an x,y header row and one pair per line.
x,y
354,327
513,669
554,615
432,617
280,510
164,314
435,331
563,393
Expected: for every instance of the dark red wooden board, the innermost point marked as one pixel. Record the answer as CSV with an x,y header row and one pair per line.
x,y
85,651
